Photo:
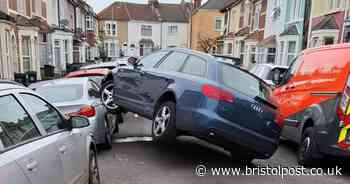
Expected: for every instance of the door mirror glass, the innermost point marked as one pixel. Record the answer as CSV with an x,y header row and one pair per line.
x,y
277,77
78,122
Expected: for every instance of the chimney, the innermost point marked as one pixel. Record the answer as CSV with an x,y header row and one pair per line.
x,y
197,4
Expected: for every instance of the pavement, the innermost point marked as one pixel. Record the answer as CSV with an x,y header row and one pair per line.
x,y
135,159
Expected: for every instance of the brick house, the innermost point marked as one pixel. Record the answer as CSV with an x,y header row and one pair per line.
x,y
207,25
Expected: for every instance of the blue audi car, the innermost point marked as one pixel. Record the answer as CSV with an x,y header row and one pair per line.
x,y
186,92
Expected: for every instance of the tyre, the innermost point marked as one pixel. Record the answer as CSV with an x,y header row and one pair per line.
x,y
107,97
94,172
164,125
307,152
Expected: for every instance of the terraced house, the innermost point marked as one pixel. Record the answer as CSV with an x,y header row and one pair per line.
x,y
266,31
138,29
40,33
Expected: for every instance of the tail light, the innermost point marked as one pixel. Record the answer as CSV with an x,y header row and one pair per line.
x,y
87,111
343,109
216,93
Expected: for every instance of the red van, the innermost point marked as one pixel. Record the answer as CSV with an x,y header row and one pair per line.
x,y
313,98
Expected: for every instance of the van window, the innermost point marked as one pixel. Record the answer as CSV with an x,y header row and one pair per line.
x,y
293,69
15,124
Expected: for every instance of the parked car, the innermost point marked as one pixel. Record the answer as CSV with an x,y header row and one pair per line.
x,y
192,93
107,84
229,59
122,62
314,99
268,72
39,145
81,96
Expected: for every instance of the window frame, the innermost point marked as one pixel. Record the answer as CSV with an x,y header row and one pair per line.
x,y
144,28
205,75
35,118
37,125
218,18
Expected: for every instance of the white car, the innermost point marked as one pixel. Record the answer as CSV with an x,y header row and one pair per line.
x,y
119,63
38,145
268,72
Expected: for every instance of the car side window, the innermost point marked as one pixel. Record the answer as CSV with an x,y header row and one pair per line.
x,y
16,126
292,69
174,61
93,90
47,115
195,66
151,60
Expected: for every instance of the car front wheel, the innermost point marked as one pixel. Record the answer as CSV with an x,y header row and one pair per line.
x,y
164,126
107,97
307,152
94,172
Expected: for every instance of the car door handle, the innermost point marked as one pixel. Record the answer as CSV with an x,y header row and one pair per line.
x,y
32,165
63,149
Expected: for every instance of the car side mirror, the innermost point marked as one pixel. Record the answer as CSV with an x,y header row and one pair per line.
x,y
78,122
277,78
133,61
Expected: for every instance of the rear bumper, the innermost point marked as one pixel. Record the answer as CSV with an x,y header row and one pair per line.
x,y
97,130
210,126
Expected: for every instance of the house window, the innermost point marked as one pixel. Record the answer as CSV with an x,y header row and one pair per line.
x,y
146,30
334,4
110,27
271,55
328,40
13,4
89,23
281,52
252,54
260,54
112,52
314,41
229,48
241,50
172,29
33,6
26,53
66,51
218,23
256,17
295,9
291,51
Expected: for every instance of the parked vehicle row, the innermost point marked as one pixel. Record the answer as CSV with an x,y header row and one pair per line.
x,y
39,145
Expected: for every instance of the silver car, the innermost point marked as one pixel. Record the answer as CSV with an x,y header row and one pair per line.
x,y
38,145
80,96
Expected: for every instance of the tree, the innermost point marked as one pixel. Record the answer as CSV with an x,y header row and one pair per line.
x,y
206,43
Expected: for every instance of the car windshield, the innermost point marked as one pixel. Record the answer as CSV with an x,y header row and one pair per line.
x,y
61,93
261,71
243,82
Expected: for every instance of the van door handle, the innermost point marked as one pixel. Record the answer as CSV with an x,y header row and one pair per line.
x,y
32,165
63,149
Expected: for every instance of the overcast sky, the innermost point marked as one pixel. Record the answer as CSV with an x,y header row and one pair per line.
x,y
99,5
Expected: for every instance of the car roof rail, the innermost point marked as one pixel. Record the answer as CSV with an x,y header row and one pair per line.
x,y
10,82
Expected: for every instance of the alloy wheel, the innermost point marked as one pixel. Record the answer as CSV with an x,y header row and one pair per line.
x,y
161,121
107,97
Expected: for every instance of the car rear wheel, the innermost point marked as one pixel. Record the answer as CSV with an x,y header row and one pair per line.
x,y
94,172
107,97
164,126
307,152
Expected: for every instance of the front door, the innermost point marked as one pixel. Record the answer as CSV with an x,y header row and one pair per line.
x,y
68,144
34,153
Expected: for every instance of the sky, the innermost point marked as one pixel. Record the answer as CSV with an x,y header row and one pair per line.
x,y
99,5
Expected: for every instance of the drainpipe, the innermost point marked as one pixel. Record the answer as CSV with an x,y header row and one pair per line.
x,y
59,14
